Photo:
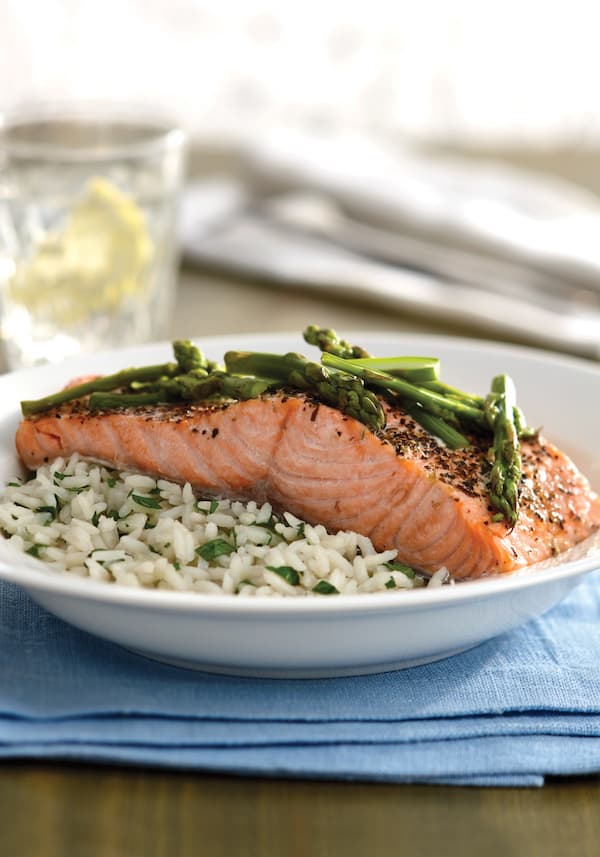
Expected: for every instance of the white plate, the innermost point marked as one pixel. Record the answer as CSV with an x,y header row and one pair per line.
x,y
344,635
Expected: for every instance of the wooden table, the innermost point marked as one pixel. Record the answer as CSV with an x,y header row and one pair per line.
x,y
61,810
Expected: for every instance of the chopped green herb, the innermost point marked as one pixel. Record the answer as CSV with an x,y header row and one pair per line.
x,y
50,510
146,502
323,587
149,525
267,525
289,574
13,484
217,547
155,490
177,565
301,527
34,550
95,519
391,584
60,476
111,481
79,490
400,566
214,505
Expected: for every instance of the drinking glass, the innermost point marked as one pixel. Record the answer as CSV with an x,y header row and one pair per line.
x,y
88,250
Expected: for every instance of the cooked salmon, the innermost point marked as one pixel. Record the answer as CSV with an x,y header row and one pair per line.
x,y
399,486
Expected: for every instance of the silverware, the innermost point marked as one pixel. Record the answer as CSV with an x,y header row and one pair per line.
x,y
317,215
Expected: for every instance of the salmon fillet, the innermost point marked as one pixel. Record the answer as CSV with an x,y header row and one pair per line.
x,y
399,486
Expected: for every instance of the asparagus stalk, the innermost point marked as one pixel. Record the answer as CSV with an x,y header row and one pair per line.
x,y
447,408
524,431
189,357
438,427
194,386
421,370
505,453
344,392
415,369
109,401
103,383
148,379
327,339
446,390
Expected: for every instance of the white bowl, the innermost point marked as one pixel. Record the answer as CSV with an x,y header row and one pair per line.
x,y
345,635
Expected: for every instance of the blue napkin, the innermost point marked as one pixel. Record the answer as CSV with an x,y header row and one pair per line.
x,y
514,710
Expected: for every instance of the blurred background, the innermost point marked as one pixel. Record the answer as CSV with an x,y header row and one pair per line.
x,y
459,72
384,90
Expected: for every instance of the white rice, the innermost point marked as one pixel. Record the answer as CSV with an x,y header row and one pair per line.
x,y
83,519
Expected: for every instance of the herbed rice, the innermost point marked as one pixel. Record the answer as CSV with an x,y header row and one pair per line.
x,y
84,519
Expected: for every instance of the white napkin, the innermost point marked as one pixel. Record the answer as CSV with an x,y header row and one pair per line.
x,y
499,248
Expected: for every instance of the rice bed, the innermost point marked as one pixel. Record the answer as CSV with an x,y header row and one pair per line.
x,y
84,519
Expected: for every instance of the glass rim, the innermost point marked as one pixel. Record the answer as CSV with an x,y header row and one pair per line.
x,y
158,132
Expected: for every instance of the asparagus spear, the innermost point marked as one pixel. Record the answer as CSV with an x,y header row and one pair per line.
x,y
327,340
422,370
344,392
103,383
189,357
194,386
109,401
415,369
446,390
438,427
524,431
447,408
505,453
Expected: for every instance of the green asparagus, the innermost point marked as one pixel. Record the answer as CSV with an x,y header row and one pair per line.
x,y
505,453
438,386
189,357
447,408
413,368
342,391
191,387
438,427
327,340
100,384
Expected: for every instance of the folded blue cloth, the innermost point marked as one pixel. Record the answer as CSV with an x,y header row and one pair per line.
x,y
510,712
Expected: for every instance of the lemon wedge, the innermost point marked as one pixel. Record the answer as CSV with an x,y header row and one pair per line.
x,y
92,266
